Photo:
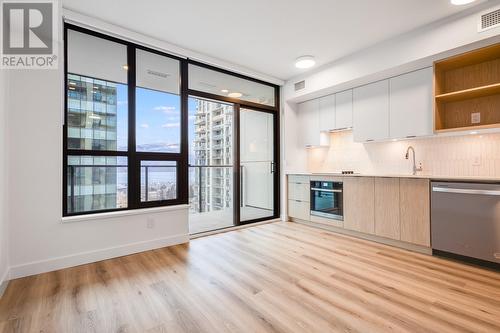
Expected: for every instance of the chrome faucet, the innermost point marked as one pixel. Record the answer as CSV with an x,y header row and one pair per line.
x,y
407,156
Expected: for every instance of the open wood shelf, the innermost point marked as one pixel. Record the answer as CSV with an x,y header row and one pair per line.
x,y
466,86
491,89
468,128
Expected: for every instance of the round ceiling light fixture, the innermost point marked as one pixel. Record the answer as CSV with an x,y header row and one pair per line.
x,y
305,62
235,95
461,2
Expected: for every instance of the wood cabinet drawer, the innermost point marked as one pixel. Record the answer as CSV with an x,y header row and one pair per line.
x,y
298,191
326,221
299,209
298,179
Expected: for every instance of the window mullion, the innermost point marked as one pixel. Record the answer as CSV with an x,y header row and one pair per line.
x,y
133,163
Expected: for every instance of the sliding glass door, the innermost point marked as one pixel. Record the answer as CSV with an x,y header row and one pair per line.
x,y
257,164
232,166
233,149
211,169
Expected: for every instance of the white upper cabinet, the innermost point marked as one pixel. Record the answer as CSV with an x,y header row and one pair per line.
x,y
343,109
308,129
327,113
371,112
399,107
411,104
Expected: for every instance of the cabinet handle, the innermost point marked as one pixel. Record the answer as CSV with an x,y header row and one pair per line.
x,y
369,140
411,136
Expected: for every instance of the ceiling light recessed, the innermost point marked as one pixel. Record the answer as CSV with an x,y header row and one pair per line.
x,y
305,62
235,95
224,91
461,2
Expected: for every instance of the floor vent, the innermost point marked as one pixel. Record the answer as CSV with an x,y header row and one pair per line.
x,y
300,85
489,20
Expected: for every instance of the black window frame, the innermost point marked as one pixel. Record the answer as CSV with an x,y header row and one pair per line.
x,y
134,157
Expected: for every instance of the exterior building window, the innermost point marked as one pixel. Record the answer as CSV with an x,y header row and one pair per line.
x,y
96,121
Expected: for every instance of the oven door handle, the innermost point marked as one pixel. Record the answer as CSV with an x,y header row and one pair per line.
x,y
325,190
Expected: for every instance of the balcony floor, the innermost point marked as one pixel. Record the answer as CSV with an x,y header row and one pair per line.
x,y
203,222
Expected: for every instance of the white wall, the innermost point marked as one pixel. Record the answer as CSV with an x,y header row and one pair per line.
x,y
4,245
39,241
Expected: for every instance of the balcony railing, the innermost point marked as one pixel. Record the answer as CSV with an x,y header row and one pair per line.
x,y
99,182
74,175
220,177
200,177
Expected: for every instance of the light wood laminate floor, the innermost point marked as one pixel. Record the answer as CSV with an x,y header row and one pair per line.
x,y
279,277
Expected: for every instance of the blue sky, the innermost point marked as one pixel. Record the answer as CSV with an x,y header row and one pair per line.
x,y
157,119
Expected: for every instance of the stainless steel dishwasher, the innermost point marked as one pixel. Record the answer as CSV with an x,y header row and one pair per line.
x,y
465,220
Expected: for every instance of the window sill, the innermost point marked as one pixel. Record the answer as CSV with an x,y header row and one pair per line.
x,y
110,215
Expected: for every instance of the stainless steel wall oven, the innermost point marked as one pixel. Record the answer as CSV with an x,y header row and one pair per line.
x,y
327,199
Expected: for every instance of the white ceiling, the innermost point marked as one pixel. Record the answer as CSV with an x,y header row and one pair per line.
x,y
268,35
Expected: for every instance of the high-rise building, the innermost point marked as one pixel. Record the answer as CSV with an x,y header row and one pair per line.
x,y
92,125
213,157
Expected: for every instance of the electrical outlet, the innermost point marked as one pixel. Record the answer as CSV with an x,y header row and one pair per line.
x,y
475,118
150,224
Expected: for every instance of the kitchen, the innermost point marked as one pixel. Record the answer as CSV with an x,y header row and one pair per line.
x,y
411,160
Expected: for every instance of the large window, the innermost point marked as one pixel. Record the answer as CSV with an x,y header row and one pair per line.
x,y
146,129
122,130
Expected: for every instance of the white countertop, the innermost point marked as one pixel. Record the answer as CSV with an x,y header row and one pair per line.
x,y
418,176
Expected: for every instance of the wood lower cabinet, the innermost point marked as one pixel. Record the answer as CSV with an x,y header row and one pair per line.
x,y
415,211
359,204
387,222
390,207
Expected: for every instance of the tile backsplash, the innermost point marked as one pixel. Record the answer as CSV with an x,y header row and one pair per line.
x,y
468,155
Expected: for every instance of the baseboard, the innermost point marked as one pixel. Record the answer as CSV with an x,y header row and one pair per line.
x,y
4,282
82,258
372,238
